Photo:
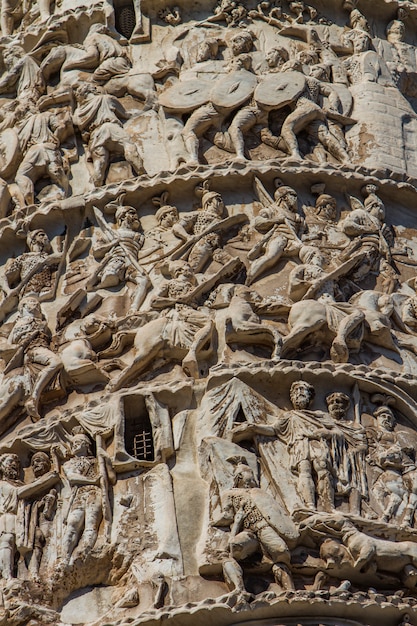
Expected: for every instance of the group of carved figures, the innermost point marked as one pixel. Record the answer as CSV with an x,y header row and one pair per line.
x,y
343,471
295,100
178,280
29,510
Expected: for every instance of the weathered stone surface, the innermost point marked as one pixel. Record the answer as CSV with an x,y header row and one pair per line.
x,y
208,348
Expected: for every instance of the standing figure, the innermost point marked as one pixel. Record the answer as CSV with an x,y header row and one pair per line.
x,y
12,490
118,252
31,272
309,114
304,432
39,513
280,224
85,506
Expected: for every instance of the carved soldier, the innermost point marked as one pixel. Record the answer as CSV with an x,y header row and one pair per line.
x,y
39,513
100,119
33,270
280,224
347,445
308,114
255,523
32,338
39,140
22,73
119,251
302,431
206,247
12,490
311,281
85,506
182,327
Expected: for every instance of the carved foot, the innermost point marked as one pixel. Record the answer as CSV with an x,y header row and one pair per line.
x,y
339,352
190,367
32,410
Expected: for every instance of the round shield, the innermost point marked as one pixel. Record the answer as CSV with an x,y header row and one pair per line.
x,y
278,90
233,89
186,96
10,153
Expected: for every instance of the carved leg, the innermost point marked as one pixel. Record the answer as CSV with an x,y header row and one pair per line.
x,y
190,362
93,515
197,124
283,577
7,549
25,185
306,487
325,488
52,364
273,253
133,157
75,523
100,156
242,123
339,351
331,143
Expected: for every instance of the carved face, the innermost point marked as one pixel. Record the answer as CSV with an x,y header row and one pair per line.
x,y
10,467
301,395
395,31
30,306
338,406
290,199
128,218
40,242
216,205
80,445
386,421
169,218
183,272
275,58
40,464
246,479
240,44
328,210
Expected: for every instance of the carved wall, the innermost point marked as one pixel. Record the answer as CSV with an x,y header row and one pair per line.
x,y
208,309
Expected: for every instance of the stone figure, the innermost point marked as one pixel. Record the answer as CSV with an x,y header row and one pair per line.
x,y
100,119
311,280
13,490
395,557
32,339
204,247
395,487
182,328
87,475
22,71
39,513
309,115
39,139
348,447
254,524
32,272
303,431
118,252
280,226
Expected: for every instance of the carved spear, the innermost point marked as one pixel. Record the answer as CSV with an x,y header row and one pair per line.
x,y
104,485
